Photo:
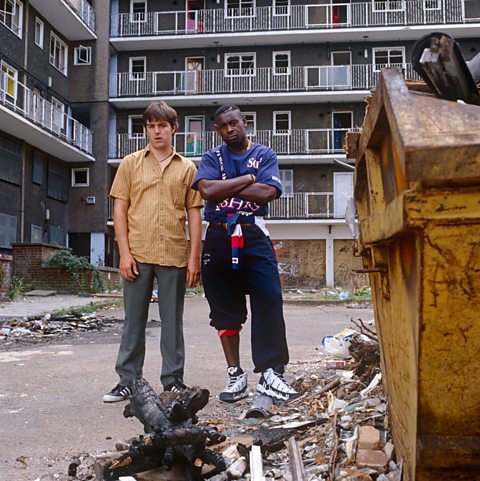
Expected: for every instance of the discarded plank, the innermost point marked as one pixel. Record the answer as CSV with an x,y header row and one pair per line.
x,y
296,463
256,464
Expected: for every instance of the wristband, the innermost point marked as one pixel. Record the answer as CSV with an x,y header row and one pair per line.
x,y
254,179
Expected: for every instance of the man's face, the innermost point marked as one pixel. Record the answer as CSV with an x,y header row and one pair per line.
x,y
232,127
160,134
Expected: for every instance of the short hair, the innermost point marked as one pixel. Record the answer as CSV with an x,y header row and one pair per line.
x,y
226,108
160,111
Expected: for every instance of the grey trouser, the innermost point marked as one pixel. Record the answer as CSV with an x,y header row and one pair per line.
x,y
136,295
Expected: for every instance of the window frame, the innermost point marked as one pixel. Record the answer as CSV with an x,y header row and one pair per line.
x,y
39,23
251,118
77,52
376,4
131,75
81,184
138,17
37,167
15,23
62,47
131,134
58,107
240,8
285,183
10,78
283,14
276,131
240,55
387,49
432,9
288,71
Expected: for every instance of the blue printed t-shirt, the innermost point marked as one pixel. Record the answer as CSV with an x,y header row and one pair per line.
x,y
259,160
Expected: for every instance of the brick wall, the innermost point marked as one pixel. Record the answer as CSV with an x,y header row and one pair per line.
x,y
5,275
29,264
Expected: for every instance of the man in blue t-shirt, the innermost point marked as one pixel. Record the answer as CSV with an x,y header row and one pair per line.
x,y
238,179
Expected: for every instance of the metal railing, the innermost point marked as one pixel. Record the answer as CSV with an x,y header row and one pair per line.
x,y
85,11
300,205
20,99
309,205
294,17
220,81
286,142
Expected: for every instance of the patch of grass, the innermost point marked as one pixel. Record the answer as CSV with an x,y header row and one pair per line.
x,y
363,294
91,307
17,287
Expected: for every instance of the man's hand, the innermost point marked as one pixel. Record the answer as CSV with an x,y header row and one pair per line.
x,y
193,271
128,267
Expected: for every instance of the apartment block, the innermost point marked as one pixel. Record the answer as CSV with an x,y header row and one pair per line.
x,y
77,75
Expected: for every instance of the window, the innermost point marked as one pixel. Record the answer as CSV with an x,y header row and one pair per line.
x,y
251,118
138,11
388,57
82,55
281,7
39,31
10,162
286,177
389,6
8,230
57,182
431,4
240,8
281,123
240,65
11,15
137,68
9,82
35,234
281,63
81,177
58,115
58,53
37,167
135,127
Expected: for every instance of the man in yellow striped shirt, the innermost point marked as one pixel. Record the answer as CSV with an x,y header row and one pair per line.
x,y
153,199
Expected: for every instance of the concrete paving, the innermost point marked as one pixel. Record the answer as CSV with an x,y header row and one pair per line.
x,y
30,306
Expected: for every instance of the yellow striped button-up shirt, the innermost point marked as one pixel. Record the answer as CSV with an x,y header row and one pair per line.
x,y
157,206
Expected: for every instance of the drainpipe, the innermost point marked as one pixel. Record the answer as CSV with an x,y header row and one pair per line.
x,y
24,144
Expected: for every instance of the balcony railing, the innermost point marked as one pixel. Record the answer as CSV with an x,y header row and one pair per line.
x,y
20,99
260,80
287,142
85,11
301,205
309,205
295,17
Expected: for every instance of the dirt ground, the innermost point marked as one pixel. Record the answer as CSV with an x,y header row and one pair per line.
x,y
51,405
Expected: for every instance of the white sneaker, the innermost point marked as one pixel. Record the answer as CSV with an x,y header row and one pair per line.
x,y
274,385
236,387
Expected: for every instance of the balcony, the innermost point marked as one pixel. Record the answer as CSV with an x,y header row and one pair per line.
x,y
75,19
26,115
342,83
309,205
280,25
308,144
295,206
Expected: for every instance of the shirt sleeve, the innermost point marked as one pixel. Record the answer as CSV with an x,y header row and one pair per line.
x,y
208,169
121,183
268,171
193,197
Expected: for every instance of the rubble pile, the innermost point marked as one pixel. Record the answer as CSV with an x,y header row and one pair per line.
x,y
52,325
338,430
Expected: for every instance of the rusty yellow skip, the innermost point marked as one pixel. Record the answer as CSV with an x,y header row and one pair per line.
x,y
417,192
